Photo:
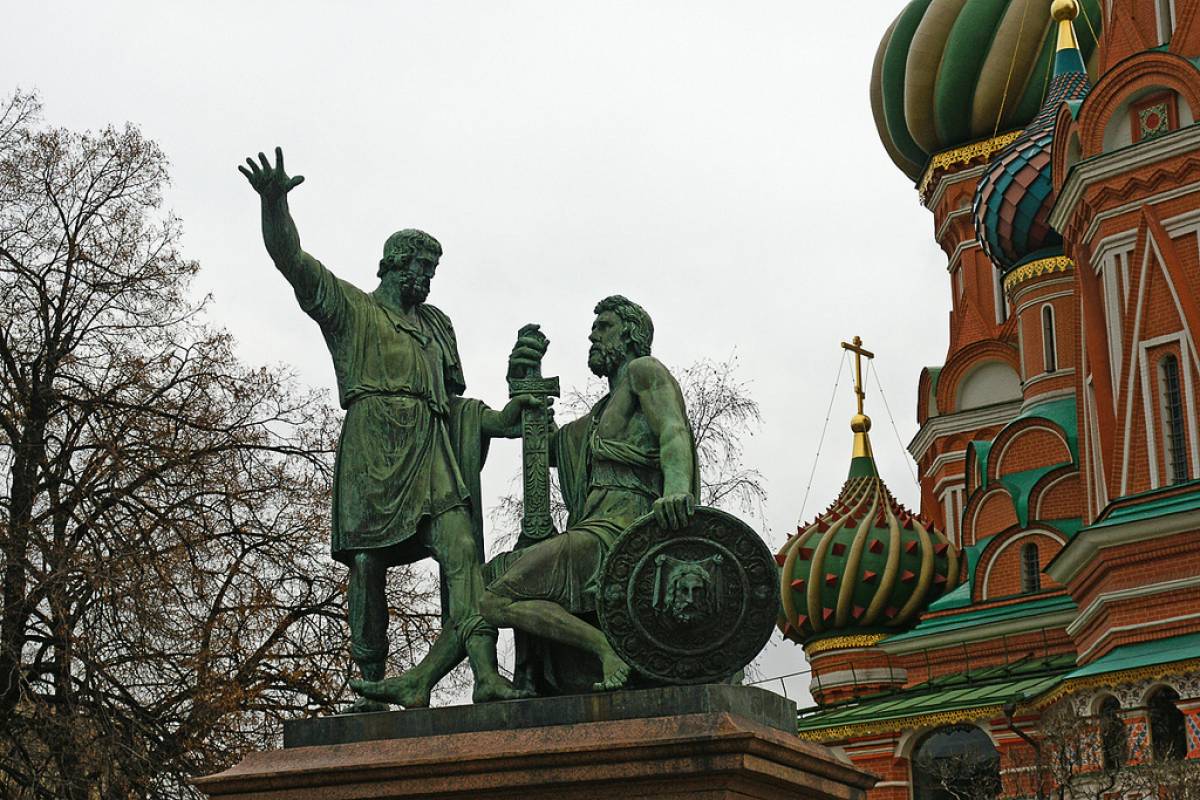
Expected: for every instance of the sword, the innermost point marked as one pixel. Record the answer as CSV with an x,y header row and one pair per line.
x,y
536,523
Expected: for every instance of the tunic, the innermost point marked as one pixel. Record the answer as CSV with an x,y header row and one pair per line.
x,y
399,381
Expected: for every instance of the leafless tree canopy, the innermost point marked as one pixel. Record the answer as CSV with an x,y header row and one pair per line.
x,y
167,596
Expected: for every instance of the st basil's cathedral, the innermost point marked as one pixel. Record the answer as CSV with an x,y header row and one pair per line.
x,y
1034,629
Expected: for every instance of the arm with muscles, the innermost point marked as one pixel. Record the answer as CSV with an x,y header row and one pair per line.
x,y
282,240
662,403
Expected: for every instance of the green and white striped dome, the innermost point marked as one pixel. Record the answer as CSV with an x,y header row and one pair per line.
x,y
949,72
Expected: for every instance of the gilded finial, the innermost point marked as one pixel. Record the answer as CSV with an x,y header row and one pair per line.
x,y
860,423
1064,12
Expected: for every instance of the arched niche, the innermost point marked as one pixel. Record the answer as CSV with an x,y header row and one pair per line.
x,y
989,383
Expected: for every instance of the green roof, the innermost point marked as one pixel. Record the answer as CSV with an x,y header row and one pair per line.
x,y
1152,504
1061,412
1017,682
1143,654
961,596
985,616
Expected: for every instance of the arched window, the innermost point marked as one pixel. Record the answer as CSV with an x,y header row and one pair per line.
x,y
1031,569
953,762
1049,351
1168,728
1175,449
1114,747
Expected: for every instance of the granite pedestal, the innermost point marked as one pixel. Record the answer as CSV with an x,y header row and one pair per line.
x,y
703,742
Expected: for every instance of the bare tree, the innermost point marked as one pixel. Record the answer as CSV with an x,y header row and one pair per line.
x,y
167,594
722,413
1077,756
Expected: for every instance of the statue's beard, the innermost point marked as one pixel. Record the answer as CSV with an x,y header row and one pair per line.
x,y
605,360
413,291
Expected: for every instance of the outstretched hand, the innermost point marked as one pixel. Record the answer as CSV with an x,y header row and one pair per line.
x,y
270,182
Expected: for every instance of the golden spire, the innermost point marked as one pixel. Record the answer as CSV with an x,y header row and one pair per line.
x,y
1063,12
860,423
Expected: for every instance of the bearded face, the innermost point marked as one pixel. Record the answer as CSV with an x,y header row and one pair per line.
x,y
413,276
688,594
609,349
414,288
605,359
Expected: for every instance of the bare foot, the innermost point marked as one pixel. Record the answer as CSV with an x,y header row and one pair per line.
x,y
616,673
364,706
497,688
405,691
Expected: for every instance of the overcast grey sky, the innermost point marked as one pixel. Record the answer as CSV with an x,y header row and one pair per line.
x,y
714,161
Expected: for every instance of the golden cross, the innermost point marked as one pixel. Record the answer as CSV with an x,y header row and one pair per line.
x,y
857,348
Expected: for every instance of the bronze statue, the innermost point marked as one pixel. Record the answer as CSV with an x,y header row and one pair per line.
x,y
406,482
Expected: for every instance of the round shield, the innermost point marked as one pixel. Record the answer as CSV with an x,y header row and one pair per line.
x,y
692,605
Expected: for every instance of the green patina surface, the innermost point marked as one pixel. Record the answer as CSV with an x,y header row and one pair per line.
x,y
1017,682
1020,486
986,616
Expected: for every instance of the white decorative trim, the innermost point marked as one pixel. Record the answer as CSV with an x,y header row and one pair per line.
x,y
959,249
1133,368
851,677
1085,546
1066,293
1150,399
1154,623
949,179
1028,286
1102,600
1045,376
1105,165
950,217
1046,397
1037,511
960,422
949,457
979,507
1004,451
987,573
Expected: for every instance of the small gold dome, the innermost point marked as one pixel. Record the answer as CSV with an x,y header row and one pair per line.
x,y
1064,10
860,423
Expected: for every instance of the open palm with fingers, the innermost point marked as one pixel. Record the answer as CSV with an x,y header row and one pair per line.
x,y
270,182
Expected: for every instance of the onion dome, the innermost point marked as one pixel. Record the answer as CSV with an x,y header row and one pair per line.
x,y
866,563
1015,195
949,72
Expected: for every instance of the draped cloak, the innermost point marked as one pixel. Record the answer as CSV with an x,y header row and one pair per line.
x,y
606,484
411,446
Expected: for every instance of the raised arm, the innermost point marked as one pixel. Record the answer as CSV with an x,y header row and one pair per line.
x,y
662,403
300,269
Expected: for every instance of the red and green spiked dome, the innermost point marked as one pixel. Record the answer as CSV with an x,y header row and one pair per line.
x,y
951,72
1015,194
865,564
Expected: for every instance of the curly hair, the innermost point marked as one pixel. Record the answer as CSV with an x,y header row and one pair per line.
x,y
639,330
403,245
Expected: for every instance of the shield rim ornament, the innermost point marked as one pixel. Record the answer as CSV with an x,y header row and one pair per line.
x,y
616,601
